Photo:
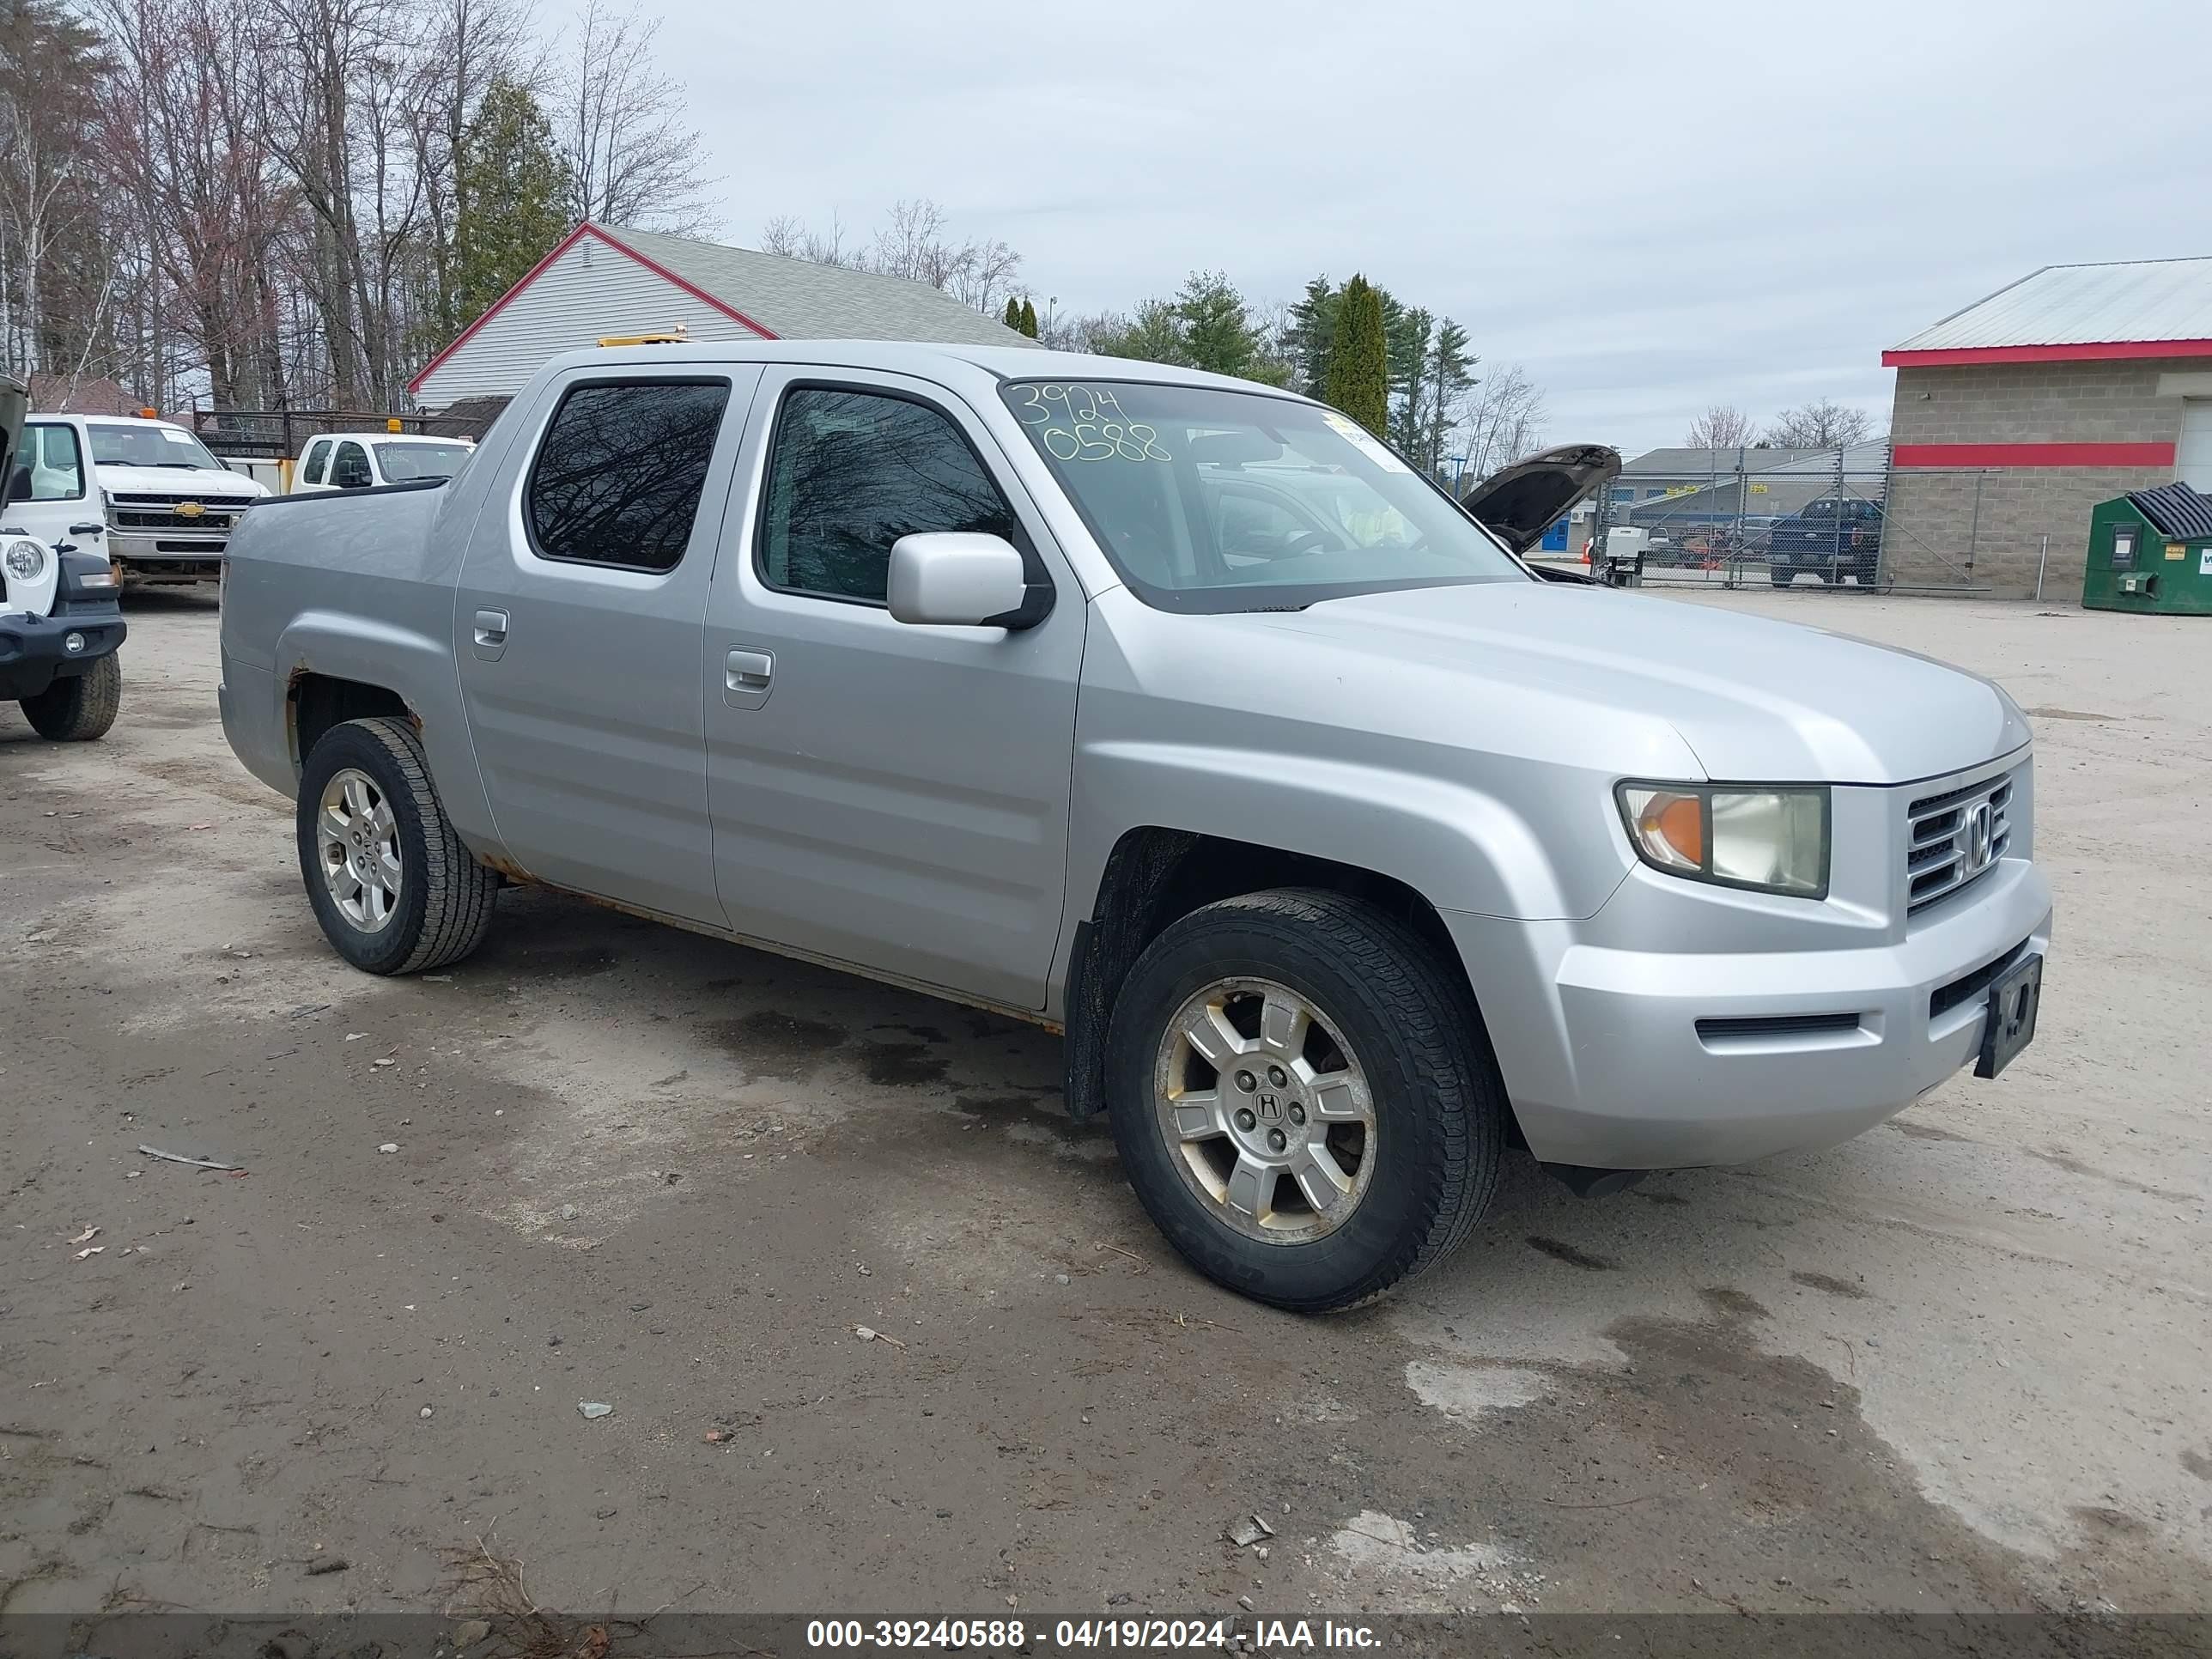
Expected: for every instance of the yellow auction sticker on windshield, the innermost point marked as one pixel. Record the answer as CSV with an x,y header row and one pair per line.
x,y
1364,440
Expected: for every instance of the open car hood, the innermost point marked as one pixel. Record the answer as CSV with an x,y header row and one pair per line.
x,y
15,404
1520,503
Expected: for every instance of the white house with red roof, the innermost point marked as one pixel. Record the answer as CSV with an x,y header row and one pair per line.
x,y
605,281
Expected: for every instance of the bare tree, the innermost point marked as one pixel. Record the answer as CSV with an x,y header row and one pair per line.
x,y
48,60
1504,422
915,243
792,237
631,160
469,44
178,125
1721,427
1822,424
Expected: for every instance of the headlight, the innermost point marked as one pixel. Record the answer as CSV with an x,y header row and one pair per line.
x,y
1773,840
26,561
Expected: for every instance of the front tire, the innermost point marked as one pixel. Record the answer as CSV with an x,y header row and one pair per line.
x,y
81,709
394,887
1304,1098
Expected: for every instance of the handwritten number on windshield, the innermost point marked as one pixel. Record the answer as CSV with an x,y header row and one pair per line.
x,y
1086,424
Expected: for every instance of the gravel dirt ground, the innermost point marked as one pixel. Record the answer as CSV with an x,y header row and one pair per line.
x,y
1958,1363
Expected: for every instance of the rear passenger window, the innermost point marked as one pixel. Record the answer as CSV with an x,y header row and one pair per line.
x,y
318,454
853,471
620,471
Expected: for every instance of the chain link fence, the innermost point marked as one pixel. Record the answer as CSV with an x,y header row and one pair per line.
x,y
1834,519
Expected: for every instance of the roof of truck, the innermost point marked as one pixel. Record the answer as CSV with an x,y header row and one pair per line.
x,y
925,359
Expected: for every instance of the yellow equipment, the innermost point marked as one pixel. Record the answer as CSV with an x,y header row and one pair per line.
x,y
676,336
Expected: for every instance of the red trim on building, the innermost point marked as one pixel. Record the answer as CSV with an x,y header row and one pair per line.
x,y
1910,455
2104,352
696,292
586,229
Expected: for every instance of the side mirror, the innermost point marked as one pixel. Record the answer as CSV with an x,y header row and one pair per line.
x,y
19,484
959,579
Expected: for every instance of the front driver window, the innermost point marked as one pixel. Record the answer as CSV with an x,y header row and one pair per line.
x,y
853,471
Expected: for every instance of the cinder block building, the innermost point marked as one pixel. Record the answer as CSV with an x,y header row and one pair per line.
x,y
2016,415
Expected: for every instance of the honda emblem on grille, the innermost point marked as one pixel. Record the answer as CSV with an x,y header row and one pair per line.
x,y
1981,837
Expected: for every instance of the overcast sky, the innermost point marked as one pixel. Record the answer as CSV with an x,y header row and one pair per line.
x,y
1652,206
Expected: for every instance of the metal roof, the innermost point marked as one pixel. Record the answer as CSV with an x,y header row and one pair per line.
x,y
2176,510
793,298
1869,456
2141,300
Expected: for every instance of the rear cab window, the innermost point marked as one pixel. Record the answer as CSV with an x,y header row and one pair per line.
x,y
619,473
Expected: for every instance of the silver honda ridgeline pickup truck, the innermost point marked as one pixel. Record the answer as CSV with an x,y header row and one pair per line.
x,y
1177,714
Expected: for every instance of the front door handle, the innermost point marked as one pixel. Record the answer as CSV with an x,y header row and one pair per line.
x,y
490,634
747,675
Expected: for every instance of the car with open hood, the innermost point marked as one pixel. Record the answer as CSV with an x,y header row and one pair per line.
x,y
1177,714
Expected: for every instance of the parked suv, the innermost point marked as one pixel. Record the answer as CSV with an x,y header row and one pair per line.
x,y
1342,847
146,492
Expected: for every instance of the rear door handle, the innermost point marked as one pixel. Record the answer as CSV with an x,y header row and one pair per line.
x,y
747,676
490,634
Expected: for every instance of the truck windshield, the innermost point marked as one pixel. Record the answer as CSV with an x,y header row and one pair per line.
x,y
1214,500
405,463
148,444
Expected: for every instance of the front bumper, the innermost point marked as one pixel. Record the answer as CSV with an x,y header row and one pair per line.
x,y
34,650
1606,1065
167,555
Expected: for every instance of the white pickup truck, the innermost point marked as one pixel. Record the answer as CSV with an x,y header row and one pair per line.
x,y
145,492
370,460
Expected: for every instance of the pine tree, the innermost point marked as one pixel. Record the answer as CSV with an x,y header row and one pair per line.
x,y
1359,374
512,190
1216,330
1013,314
1027,322
1313,326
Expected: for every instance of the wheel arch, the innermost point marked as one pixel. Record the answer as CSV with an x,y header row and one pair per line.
x,y
1154,875
334,666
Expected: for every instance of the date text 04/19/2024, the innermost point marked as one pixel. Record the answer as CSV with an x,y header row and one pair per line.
x,y
1089,1634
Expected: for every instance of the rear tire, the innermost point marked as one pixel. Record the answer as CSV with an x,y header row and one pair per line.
x,y
1781,577
81,709
368,822
1389,1037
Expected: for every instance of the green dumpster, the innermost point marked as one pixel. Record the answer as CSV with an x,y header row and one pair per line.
x,y
2151,551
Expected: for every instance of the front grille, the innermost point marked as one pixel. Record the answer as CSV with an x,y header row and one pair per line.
x,y
130,512
1955,838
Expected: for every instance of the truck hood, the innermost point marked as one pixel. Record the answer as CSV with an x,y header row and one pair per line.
x,y
1756,700
175,481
